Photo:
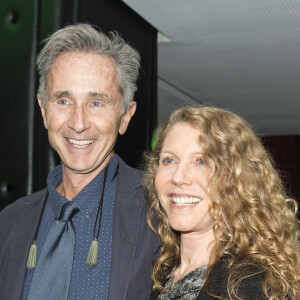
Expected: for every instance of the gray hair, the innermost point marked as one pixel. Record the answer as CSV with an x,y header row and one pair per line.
x,y
85,38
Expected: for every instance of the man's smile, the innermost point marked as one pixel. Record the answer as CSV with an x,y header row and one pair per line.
x,y
80,143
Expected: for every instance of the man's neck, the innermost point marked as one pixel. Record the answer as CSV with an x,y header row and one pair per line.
x,y
72,183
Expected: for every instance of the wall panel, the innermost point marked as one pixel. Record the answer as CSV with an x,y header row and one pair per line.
x,y
18,33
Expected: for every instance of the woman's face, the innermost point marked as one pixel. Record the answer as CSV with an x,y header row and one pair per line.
x,y
182,181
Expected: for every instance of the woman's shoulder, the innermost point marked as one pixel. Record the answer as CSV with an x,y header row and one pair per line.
x,y
154,295
249,287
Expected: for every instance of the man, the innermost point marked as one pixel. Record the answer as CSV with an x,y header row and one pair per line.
x,y
87,82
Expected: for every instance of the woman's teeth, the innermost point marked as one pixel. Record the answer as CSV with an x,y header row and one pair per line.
x,y
185,200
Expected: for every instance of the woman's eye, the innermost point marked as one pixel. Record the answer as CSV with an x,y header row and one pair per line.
x,y
200,161
167,161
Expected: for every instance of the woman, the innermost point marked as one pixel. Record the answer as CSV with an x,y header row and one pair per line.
x,y
228,230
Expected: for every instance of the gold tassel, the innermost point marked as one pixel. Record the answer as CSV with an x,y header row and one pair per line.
x,y
93,254
31,262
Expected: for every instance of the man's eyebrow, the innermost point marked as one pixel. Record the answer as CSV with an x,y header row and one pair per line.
x,y
60,94
98,95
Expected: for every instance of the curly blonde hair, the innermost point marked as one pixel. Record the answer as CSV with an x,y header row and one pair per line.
x,y
255,222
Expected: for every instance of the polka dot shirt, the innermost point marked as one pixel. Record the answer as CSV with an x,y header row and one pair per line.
x,y
86,282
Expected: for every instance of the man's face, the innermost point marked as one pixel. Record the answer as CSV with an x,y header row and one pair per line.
x,y
82,110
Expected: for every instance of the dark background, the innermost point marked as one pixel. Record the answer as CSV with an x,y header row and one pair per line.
x,y
25,154
285,151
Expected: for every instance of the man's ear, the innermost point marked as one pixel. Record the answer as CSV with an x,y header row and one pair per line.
x,y
42,107
126,117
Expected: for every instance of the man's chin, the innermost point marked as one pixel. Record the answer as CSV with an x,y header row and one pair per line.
x,y
81,168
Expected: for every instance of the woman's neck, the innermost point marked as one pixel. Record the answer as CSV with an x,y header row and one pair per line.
x,y
196,251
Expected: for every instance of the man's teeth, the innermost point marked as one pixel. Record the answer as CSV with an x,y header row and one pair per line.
x,y
186,200
80,144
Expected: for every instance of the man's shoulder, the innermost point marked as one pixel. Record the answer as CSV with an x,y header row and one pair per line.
x,y
30,201
130,182
128,172
19,214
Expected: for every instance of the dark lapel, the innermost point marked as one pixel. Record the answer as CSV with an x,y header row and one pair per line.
x,y
20,242
127,211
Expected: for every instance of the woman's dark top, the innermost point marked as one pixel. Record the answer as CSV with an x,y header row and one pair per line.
x,y
186,288
249,288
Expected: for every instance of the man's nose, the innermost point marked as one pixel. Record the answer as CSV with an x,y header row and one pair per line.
x,y
79,120
182,175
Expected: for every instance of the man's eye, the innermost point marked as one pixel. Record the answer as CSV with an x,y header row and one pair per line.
x,y
167,161
63,101
96,103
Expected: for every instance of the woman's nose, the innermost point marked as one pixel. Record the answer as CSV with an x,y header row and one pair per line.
x,y
181,175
